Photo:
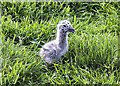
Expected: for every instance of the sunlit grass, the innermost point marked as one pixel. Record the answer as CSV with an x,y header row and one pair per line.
x,y
92,57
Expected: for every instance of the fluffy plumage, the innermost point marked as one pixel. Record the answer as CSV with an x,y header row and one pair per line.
x,y
53,50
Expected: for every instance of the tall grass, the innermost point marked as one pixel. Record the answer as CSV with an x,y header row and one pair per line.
x,y
93,49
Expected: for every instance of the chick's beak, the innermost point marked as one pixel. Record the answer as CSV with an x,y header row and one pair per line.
x,y
71,29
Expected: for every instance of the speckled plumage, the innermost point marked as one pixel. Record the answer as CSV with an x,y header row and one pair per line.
x,y
53,50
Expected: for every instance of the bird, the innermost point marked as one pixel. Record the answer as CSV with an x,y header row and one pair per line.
x,y
53,50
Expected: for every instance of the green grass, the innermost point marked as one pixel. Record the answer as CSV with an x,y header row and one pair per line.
x,y
93,49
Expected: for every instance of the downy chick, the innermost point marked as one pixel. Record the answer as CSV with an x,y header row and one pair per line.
x,y
53,50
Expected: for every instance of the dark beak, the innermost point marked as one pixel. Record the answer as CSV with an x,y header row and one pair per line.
x,y
71,29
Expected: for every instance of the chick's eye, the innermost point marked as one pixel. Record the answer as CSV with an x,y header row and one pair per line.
x,y
64,25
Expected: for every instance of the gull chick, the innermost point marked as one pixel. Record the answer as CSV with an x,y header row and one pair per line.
x,y
53,50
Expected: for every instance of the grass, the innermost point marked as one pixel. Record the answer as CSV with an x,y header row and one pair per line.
x,y
93,49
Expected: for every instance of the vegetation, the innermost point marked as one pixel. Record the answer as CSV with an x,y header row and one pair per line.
x,y
93,49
